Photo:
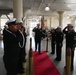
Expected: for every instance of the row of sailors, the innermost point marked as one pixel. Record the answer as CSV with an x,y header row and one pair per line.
x,y
57,36
14,40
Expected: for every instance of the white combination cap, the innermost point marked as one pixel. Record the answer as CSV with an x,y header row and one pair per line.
x,y
20,21
11,22
59,27
70,25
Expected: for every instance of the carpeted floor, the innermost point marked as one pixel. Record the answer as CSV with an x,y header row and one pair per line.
x,y
43,65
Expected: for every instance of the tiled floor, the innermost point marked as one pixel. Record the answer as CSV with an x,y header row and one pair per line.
x,y
60,65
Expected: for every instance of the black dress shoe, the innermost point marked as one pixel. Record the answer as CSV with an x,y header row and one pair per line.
x,y
71,68
39,53
52,53
57,59
64,67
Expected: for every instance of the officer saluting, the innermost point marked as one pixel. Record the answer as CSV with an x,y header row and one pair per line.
x,y
22,48
59,40
38,36
53,40
11,39
70,41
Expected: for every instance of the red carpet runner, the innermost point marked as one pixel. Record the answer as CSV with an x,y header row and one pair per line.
x,y
43,65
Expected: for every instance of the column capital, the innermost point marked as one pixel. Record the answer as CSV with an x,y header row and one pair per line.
x,y
60,12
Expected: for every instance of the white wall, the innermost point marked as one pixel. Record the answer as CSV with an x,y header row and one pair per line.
x,y
55,22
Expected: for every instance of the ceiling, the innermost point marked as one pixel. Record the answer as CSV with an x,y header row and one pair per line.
x,y
36,7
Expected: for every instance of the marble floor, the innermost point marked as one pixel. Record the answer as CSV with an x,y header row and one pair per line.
x,y
59,65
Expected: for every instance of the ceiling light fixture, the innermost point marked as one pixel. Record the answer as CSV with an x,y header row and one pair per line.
x,y
47,8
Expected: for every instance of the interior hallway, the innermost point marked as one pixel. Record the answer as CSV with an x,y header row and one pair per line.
x,y
59,65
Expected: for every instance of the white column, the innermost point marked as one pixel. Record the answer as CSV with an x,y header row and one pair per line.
x,y
18,9
60,17
51,22
73,22
48,23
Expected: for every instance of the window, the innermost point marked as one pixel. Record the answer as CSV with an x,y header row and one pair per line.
x,y
3,21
